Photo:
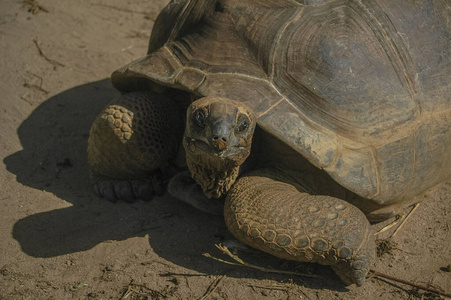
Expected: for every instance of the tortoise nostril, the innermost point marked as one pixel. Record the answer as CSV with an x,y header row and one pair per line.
x,y
223,139
220,134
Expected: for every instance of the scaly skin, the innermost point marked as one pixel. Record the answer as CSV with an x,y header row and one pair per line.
x,y
131,139
278,219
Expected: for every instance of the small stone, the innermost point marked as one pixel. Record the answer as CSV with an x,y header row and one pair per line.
x,y
125,128
117,115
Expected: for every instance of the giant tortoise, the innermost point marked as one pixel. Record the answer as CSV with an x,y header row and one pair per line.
x,y
346,103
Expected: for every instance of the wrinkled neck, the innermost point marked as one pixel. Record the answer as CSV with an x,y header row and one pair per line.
x,y
214,175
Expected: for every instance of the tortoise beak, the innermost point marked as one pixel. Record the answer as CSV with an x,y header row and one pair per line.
x,y
220,136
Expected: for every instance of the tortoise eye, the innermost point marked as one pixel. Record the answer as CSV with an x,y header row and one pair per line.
x,y
199,118
244,125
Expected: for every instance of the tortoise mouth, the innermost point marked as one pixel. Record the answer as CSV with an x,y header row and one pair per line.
x,y
232,152
213,169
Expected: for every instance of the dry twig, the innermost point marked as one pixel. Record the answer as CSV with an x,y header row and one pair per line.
x,y
374,273
387,227
52,61
26,100
212,287
285,287
140,290
36,86
399,218
405,219
33,6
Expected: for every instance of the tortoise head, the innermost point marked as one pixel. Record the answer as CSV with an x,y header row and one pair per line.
x,y
217,140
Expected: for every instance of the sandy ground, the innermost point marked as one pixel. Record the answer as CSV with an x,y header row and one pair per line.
x,y
59,241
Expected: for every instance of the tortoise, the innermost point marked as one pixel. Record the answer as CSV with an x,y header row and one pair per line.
x,y
345,104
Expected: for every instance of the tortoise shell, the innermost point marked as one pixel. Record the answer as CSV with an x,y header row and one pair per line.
x,y
359,88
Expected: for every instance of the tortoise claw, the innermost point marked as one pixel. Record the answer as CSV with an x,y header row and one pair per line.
x,y
106,190
129,190
123,191
355,271
144,191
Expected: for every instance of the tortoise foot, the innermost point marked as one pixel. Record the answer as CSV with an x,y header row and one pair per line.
x,y
129,190
184,188
355,269
132,144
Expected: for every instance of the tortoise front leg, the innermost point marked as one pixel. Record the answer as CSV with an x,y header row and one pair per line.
x,y
130,141
276,218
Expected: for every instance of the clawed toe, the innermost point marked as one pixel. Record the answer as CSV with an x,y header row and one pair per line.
x,y
106,190
123,191
143,191
129,190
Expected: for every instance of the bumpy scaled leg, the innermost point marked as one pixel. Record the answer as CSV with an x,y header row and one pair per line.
x,y
278,219
130,141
